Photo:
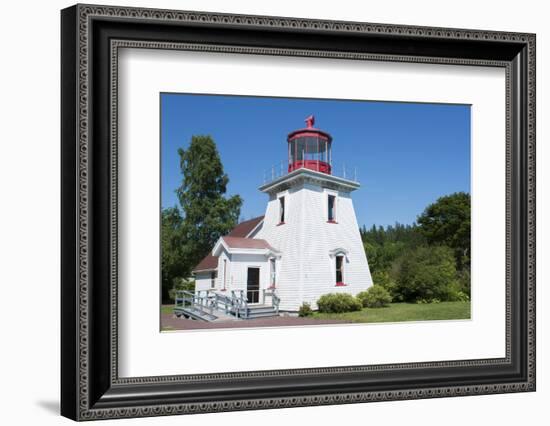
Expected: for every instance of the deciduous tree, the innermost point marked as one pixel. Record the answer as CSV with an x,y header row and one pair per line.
x,y
172,257
426,273
447,221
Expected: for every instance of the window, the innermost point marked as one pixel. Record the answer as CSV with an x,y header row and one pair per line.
x,y
224,273
300,148
273,272
213,276
282,210
339,270
332,208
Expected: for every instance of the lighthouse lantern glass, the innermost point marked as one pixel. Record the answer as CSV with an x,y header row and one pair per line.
x,y
309,148
309,152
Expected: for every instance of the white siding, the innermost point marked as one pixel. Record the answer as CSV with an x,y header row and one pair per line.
x,y
202,281
224,279
236,272
306,268
286,238
239,270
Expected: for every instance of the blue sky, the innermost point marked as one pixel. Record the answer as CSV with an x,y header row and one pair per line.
x,y
406,154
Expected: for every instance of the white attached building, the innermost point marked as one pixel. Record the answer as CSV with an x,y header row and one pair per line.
x,y
307,244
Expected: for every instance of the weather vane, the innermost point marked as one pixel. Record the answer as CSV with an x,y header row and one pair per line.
x,y
310,121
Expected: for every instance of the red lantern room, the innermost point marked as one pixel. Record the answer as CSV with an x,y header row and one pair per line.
x,y
309,148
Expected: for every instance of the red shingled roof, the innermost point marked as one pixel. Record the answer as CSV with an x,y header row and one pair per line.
x,y
245,228
209,262
242,230
248,243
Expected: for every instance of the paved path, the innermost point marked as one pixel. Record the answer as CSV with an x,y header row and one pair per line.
x,y
171,322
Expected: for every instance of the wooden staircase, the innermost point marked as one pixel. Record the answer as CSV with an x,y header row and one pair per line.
x,y
261,311
195,313
210,306
194,306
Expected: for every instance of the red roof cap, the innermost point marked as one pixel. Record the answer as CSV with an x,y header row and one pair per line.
x,y
309,130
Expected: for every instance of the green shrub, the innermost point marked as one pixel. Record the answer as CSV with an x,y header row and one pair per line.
x,y
181,284
456,295
338,302
305,310
375,297
464,281
462,297
426,273
384,278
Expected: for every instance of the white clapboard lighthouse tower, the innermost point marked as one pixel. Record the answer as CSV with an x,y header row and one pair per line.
x,y
311,222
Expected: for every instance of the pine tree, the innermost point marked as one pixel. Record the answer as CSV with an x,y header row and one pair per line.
x,y
208,213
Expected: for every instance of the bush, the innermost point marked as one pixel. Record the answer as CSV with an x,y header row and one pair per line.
x,y
338,302
426,273
305,310
181,284
385,280
464,281
456,294
375,297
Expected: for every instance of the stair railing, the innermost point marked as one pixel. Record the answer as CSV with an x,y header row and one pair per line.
x,y
221,299
239,302
183,298
201,300
275,300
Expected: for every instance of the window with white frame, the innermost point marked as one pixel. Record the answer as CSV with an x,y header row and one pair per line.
x,y
213,276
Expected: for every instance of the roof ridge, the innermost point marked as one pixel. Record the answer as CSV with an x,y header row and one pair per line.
x,y
250,220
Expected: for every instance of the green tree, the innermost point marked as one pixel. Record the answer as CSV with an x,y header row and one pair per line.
x,y
385,279
426,273
208,213
447,221
384,245
172,257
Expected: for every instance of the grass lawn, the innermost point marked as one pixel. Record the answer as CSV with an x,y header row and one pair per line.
x,y
167,309
396,312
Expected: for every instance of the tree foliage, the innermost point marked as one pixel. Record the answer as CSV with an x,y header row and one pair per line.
x,y
426,274
447,222
171,249
384,245
412,261
205,212
208,213
385,279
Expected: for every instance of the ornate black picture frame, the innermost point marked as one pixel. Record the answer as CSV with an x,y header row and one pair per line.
x,y
91,388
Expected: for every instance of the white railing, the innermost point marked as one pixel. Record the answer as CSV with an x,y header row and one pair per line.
x,y
281,169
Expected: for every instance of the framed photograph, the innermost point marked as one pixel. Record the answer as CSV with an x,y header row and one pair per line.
x,y
264,212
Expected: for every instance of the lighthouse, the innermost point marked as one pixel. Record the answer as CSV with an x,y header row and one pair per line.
x,y
310,219
308,242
